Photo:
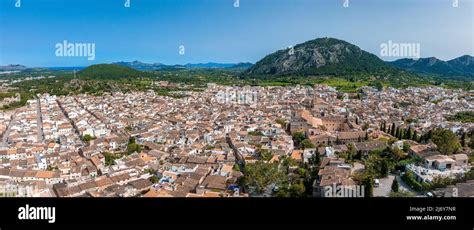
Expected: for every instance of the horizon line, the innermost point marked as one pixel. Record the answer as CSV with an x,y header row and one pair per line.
x,y
215,62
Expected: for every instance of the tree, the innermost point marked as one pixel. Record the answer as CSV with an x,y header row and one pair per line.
x,y
392,130
287,161
349,157
365,126
395,185
297,189
384,168
351,149
110,158
265,154
133,147
282,122
368,182
410,180
366,135
236,167
88,137
406,146
315,159
255,133
298,137
408,134
400,133
428,136
294,187
260,175
401,193
446,141
306,144
154,179
463,139
378,85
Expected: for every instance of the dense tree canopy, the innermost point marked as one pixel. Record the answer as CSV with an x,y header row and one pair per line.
x,y
446,141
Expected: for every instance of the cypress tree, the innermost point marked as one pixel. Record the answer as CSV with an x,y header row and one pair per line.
x,y
395,185
393,129
408,135
369,186
463,139
318,157
384,169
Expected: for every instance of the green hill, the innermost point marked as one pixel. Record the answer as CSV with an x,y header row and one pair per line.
x,y
110,72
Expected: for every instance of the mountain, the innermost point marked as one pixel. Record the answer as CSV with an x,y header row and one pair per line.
x,y
241,65
110,72
423,65
321,56
459,67
464,65
159,66
209,65
16,67
141,66
70,68
465,60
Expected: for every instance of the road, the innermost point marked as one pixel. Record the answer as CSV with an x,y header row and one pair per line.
x,y
385,186
238,157
76,130
39,120
7,131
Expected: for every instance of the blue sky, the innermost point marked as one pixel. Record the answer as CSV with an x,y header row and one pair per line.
x,y
214,30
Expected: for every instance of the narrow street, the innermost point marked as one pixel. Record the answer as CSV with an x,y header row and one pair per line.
x,y
39,120
76,130
239,158
7,131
